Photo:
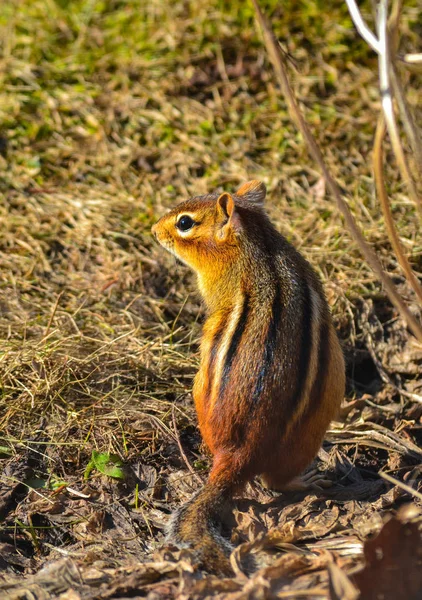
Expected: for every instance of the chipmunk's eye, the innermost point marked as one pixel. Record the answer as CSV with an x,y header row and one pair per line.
x,y
185,223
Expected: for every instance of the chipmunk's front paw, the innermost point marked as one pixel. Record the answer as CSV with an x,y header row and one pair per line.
x,y
312,480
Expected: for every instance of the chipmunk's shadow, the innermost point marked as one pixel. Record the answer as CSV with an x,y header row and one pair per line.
x,y
262,509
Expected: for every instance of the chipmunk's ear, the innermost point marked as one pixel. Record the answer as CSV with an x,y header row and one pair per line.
x,y
227,217
253,191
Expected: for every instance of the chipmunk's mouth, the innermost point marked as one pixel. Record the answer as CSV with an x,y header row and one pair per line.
x,y
158,236
164,241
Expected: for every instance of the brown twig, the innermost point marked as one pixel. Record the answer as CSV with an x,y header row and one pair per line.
x,y
182,452
53,313
278,61
400,484
409,125
377,161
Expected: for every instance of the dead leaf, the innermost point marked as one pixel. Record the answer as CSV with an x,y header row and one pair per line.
x,y
393,560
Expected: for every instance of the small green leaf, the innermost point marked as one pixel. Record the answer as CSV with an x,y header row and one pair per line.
x,y
108,464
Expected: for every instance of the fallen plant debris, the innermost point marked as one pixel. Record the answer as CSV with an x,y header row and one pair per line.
x,y
110,113
393,560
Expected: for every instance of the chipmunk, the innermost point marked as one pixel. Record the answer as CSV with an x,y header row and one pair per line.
x,y
271,375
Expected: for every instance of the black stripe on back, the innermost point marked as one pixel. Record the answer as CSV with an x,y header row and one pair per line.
x,y
305,326
234,344
270,346
317,390
215,343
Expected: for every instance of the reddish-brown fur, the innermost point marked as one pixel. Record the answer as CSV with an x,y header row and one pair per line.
x,y
271,376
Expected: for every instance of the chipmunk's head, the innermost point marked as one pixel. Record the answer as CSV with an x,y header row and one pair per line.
x,y
208,231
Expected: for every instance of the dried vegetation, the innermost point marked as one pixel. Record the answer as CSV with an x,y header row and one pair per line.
x,y
111,112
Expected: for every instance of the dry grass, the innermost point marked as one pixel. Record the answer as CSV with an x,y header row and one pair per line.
x,y
111,112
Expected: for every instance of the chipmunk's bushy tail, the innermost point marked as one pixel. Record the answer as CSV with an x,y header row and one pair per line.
x,y
197,525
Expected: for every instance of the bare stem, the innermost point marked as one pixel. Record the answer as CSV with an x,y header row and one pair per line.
x,y
412,59
409,123
387,104
412,130
382,195
361,26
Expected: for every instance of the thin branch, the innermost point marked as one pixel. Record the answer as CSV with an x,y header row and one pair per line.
x,y
362,27
278,61
412,59
411,128
400,484
382,195
182,452
53,313
387,104
378,158
409,124
385,63
393,26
